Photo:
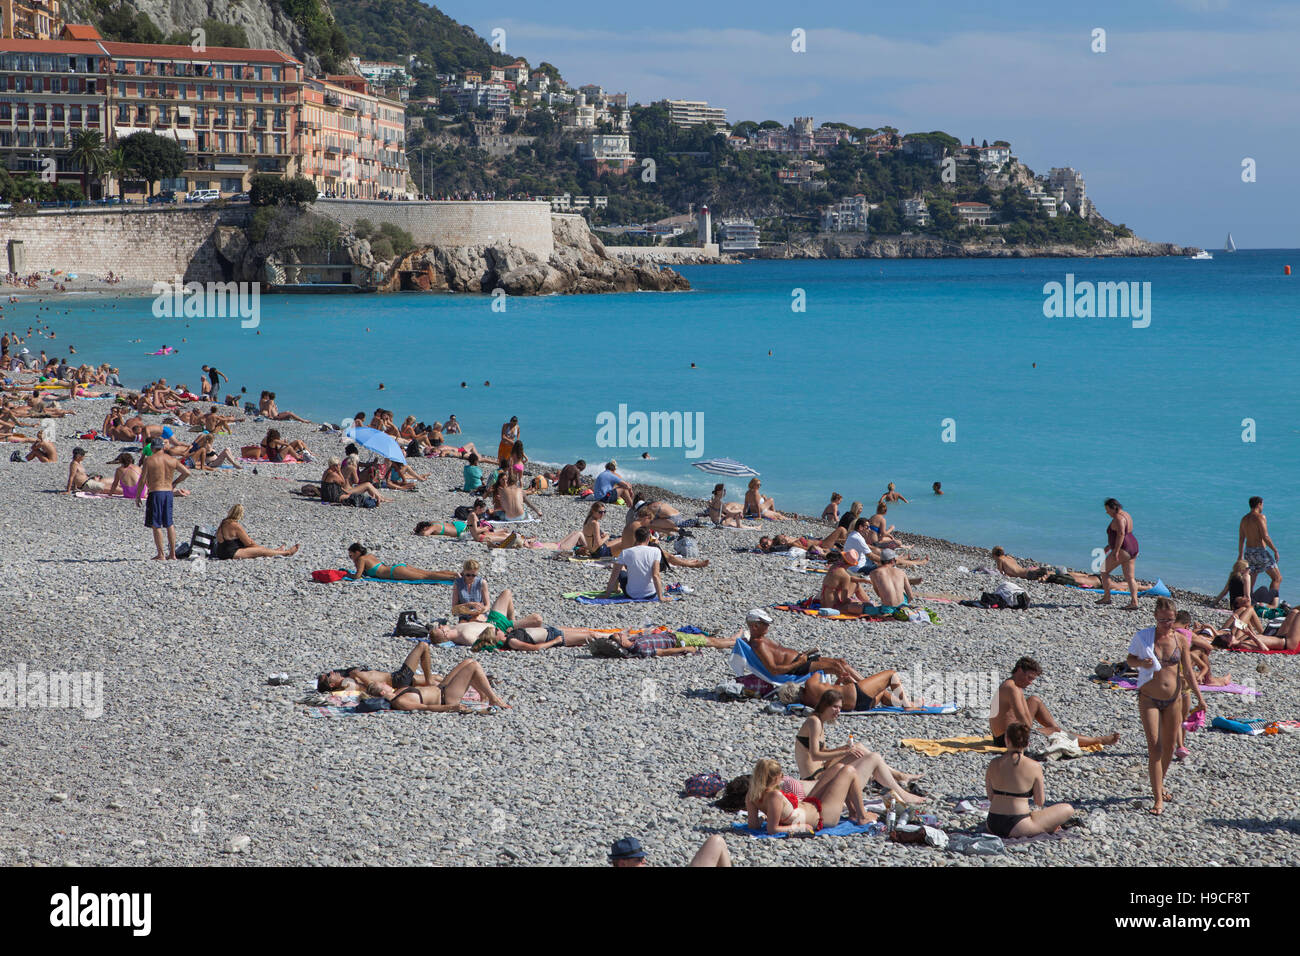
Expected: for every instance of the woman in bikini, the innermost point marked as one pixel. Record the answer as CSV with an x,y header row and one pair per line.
x,y
474,527
369,566
232,541
1163,660
126,476
276,449
758,506
725,514
1238,584
787,812
1248,630
444,693
203,458
882,689
814,759
1011,781
334,486
1121,551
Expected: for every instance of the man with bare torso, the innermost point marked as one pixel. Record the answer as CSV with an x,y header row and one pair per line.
x,y
890,581
1253,544
159,472
1013,705
840,589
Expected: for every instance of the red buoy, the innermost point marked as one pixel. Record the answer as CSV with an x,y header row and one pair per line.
x,y
1286,270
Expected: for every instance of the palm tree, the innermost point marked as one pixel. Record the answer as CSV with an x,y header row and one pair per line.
x,y
89,153
116,165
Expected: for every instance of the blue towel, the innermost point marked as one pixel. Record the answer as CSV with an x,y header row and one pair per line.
x,y
584,599
940,709
845,827
1159,589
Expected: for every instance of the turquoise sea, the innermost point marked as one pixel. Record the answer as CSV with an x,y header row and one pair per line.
x,y
1050,415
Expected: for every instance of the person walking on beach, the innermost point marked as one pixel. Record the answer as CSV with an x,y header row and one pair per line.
x,y
159,478
1253,545
1164,664
1121,550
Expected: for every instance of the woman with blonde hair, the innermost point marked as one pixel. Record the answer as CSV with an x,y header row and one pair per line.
x,y
232,541
469,593
759,506
1238,584
787,812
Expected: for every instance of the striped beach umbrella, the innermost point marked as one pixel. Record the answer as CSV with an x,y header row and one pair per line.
x,y
728,467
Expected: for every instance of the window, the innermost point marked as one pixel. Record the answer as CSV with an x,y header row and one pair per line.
x,y
123,113
74,114
6,111
232,185
56,114
92,114
22,113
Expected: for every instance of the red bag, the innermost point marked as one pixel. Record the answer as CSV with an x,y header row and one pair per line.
x,y
328,577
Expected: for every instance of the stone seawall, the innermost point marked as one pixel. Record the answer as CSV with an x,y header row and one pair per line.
x,y
526,225
142,244
666,255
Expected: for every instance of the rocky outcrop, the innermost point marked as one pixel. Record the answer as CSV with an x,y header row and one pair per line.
x,y
923,247
579,264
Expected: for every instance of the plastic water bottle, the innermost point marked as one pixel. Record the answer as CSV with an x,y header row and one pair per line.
x,y
891,817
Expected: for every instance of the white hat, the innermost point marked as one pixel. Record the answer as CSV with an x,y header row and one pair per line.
x,y
756,615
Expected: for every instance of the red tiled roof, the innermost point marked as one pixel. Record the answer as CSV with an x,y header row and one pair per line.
x,y
77,47
79,31
972,205
165,51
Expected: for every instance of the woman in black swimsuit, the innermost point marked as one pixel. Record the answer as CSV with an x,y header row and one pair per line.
x,y
443,693
1022,778
1160,692
813,758
232,541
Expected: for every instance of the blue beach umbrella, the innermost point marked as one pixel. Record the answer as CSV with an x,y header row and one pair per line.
x,y
381,443
728,467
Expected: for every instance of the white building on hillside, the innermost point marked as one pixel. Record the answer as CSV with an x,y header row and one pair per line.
x,y
694,113
850,214
916,211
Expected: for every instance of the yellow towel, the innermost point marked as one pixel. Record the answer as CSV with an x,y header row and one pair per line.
x,y
955,745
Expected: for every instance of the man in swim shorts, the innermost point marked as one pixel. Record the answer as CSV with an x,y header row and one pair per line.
x,y
1013,705
157,476
1253,544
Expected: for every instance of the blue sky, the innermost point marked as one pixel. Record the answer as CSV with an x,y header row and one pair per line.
x,y
1158,124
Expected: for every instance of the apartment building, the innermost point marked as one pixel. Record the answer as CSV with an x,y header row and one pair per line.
x,y
30,19
50,89
1068,186
915,211
738,235
694,113
606,152
850,214
234,112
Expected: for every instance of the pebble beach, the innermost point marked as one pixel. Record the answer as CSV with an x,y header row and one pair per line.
x,y
197,760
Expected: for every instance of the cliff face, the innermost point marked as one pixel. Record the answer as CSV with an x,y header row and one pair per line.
x,y
579,264
264,23
922,247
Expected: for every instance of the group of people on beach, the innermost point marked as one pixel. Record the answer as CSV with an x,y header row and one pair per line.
x,y
866,573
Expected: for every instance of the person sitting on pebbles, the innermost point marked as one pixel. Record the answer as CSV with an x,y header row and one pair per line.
x,y
1012,705
1011,781
78,480
814,759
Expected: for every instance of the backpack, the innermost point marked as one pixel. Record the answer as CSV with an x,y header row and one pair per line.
x,y
413,450
705,784
408,625
462,512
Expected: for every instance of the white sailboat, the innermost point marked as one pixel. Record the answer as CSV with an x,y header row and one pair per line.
x,y
1229,246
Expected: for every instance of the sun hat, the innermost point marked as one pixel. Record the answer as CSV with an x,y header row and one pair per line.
x,y
628,848
851,558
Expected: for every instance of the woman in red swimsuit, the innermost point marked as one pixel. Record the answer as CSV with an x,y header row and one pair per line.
x,y
1121,549
839,789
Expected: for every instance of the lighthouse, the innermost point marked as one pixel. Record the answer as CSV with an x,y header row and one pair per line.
x,y
704,224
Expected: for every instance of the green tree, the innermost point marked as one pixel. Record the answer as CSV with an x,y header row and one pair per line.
x,y
153,157
116,165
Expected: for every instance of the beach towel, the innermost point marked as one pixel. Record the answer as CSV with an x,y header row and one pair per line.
x,y
1253,650
379,580
344,704
813,609
597,597
1156,590
744,662
1253,726
267,461
956,745
845,827
1225,689
527,519
92,494
920,711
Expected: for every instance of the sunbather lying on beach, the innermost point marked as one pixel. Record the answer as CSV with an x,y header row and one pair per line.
x,y
539,637
882,689
839,789
232,541
1012,704
663,642
664,517
814,759
1008,566
780,543
369,566
1011,781
1248,630
471,526
276,449
759,506
442,694
416,669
